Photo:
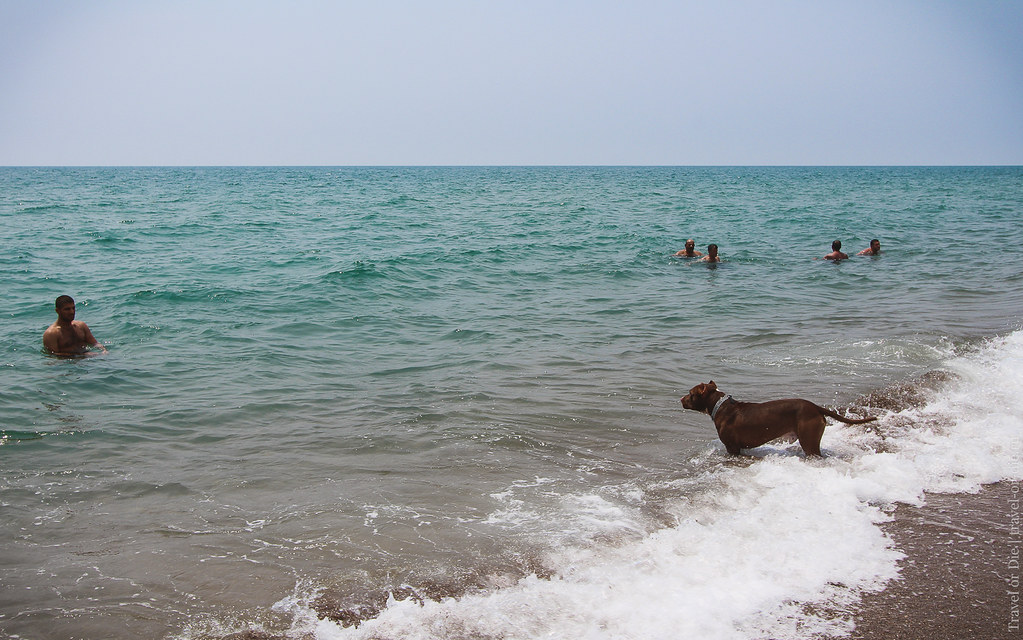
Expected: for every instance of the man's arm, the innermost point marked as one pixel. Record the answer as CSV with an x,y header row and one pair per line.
x,y
91,339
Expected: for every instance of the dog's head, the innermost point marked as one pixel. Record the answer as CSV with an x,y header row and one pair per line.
x,y
698,398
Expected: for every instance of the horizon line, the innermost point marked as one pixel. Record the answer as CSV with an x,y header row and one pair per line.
x,y
495,166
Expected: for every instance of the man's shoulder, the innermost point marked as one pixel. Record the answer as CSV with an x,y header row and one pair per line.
x,y
51,337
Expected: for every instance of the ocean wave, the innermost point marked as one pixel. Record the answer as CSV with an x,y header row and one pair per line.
x,y
774,545
281,339
360,270
12,436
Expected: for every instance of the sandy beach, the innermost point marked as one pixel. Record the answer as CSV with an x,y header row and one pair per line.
x,y
957,575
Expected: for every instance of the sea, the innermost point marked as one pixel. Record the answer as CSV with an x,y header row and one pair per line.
x,y
443,402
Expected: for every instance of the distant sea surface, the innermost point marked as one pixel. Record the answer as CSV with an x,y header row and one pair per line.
x,y
444,402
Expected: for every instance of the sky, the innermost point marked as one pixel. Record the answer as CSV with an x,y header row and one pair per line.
x,y
511,82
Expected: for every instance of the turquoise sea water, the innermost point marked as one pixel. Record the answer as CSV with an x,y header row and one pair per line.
x,y
328,384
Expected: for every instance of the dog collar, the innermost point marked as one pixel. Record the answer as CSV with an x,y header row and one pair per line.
x,y
717,405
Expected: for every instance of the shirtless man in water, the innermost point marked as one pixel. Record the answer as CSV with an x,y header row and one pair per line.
x,y
689,251
712,254
873,250
67,336
836,252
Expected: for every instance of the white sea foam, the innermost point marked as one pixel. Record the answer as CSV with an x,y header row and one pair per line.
x,y
753,545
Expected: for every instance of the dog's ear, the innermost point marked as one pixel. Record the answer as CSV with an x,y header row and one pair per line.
x,y
712,386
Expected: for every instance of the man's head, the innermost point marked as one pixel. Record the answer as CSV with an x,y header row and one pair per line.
x,y
712,249
690,244
875,245
65,307
836,245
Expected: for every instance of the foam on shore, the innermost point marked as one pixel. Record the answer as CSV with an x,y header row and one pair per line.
x,y
780,546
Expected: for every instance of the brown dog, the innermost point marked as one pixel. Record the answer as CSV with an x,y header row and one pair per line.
x,y
745,425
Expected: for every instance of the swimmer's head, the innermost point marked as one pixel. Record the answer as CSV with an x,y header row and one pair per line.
x,y
65,308
836,245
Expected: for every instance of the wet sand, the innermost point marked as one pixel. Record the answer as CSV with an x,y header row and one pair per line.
x,y
956,580
955,583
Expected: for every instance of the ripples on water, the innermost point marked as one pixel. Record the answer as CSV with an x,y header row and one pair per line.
x,y
364,377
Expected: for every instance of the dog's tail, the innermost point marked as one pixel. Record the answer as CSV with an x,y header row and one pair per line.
x,y
832,414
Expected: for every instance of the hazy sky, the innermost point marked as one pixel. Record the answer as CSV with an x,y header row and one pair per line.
x,y
479,82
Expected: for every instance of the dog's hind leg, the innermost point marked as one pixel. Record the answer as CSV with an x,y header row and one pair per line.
x,y
810,436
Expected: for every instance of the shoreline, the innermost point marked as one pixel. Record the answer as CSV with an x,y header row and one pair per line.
x,y
962,558
960,576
